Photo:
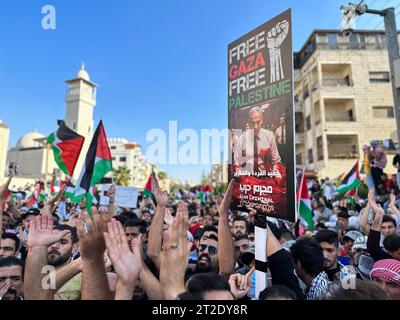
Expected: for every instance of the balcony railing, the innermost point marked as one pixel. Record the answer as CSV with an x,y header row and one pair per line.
x,y
298,106
299,137
342,151
337,83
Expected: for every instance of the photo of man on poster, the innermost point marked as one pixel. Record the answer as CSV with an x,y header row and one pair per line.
x,y
256,149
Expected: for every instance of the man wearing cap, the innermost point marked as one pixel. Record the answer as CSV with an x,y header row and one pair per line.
x,y
386,274
349,238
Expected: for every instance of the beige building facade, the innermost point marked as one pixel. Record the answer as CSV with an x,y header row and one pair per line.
x,y
4,136
343,100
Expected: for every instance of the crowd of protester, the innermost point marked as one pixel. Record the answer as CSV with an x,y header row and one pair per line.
x,y
190,248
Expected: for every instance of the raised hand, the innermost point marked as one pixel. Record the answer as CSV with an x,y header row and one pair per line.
x,y
168,218
174,257
392,199
127,264
111,193
371,195
91,235
240,284
161,197
48,206
223,209
4,189
4,286
41,233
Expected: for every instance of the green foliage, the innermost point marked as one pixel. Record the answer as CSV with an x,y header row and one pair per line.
x,y
122,176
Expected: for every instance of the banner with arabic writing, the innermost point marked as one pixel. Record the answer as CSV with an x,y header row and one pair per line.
x,y
261,119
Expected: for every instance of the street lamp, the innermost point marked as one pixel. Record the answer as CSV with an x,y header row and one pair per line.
x,y
353,10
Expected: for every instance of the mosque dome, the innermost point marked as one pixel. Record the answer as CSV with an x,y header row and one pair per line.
x,y
82,73
28,140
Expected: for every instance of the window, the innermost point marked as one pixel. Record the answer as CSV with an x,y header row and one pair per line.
x,y
74,126
299,159
320,150
310,156
332,41
306,94
122,159
113,147
353,41
113,158
383,112
89,129
377,77
308,123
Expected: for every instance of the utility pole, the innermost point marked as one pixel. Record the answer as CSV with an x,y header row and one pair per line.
x,y
353,10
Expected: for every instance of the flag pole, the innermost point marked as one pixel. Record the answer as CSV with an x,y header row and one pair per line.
x,y
300,191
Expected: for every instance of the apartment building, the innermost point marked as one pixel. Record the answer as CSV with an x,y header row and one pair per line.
x,y
343,99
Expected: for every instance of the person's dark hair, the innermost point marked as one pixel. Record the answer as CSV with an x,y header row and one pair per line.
x,y
74,235
11,261
132,223
57,219
320,225
121,219
287,235
343,214
7,235
129,214
213,237
392,242
275,230
308,251
240,218
238,238
189,296
364,290
203,282
137,223
210,228
328,236
251,227
277,291
387,218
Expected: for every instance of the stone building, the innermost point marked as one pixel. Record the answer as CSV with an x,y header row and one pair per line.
x,y
343,99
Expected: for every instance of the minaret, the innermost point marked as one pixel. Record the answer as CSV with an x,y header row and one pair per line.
x,y
80,100
4,135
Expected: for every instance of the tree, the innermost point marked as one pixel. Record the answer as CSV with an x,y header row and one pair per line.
x,y
162,175
122,176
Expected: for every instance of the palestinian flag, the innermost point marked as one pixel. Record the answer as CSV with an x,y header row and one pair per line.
x,y
148,189
52,189
42,195
350,181
97,164
67,146
304,204
69,192
31,201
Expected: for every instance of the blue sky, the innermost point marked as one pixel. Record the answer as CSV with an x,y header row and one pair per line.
x,y
155,61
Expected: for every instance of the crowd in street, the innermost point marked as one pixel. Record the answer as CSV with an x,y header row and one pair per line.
x,y
191,248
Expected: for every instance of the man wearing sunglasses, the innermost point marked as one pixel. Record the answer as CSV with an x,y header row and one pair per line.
x,y
256,148
207,255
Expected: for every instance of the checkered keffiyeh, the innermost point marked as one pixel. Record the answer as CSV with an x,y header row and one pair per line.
x,y
388,269
319,285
